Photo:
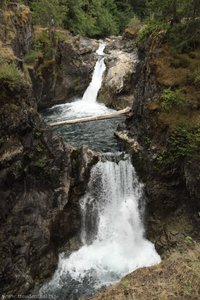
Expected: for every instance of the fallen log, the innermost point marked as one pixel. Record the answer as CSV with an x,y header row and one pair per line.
x,y
93,118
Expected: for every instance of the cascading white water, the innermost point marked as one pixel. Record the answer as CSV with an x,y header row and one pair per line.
x,y
90,94
112,230
79,134
88,105
112,234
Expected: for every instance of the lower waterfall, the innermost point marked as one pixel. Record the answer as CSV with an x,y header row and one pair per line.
x,y
112,233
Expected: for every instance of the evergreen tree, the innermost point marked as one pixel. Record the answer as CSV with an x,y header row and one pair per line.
x,y
46,12
92,18
173,9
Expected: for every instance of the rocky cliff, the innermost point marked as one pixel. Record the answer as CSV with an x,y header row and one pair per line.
x,y
62,68
117,89
162,135
41,178
16,28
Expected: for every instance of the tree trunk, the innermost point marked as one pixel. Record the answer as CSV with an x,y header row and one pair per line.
x,y
93,118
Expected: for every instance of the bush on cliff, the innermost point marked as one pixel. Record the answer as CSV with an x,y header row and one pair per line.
x,y
9,73
32,56
183,142
151,27
182,145
197,76
172,99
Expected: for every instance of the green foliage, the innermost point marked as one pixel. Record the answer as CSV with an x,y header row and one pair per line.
x,y
41,162
60,36
166,9
147,141
152,27
43,45
197,76
98,18
47,11
94,18
181,18
80,19
173,10
183,142
172,99
184,36
32,56
124,13
10,73
139,8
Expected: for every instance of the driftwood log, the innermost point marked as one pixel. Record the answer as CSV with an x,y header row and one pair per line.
x,y
115,114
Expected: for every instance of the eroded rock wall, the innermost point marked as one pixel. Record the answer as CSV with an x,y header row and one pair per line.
x,y
16,29
41,180
171,181
68,74
118,84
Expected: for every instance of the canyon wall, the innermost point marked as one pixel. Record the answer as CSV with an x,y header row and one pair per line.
x,y
41,178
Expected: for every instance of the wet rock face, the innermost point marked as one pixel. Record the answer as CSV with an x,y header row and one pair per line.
x,y
68,222
118,83
68,76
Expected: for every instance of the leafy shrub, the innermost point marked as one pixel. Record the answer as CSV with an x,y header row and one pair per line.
x,y
60,36
152,27
197,76
170,99
32,56
44,10
41,162
184,36
43,45
183,142
1,59
10,73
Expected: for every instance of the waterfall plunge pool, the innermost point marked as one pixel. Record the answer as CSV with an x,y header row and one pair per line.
x,y
98,135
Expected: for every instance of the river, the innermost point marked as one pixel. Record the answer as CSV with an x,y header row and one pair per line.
x,y
112,233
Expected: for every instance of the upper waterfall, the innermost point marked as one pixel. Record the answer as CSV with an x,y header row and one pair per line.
x,y
79,134
91,93
88,105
